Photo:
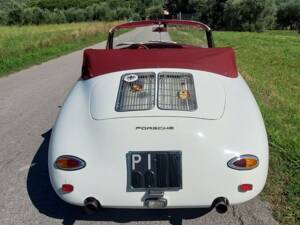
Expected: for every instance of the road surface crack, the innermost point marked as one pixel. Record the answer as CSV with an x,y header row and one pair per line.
x,y
238,216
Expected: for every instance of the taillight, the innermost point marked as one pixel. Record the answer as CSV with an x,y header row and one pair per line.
x,y
68,162
243,162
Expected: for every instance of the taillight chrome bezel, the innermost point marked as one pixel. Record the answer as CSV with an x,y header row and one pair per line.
x,y
81,162
231,162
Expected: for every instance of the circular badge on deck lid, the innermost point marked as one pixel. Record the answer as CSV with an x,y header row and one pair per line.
x,y
131,78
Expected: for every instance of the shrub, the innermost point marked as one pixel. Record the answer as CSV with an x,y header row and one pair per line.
x,y
75,15
3,17
249,15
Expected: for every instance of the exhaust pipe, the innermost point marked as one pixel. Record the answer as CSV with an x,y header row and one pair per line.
x,y
91,205
221,204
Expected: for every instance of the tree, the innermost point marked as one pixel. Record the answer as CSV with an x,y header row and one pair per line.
x,y
249,15
214,15
58,16
176,6
27,17
155,12
135,17
33,15
207,11
75,15
288,15
15,13
47,16
123,13
90,12
102,12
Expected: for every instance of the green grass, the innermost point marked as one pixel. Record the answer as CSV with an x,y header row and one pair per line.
x,y
270,62
21,47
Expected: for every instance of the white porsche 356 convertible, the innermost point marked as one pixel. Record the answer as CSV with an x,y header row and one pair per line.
x,y
159,124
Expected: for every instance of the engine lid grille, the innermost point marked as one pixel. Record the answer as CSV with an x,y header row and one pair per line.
x,y
176,91
136,92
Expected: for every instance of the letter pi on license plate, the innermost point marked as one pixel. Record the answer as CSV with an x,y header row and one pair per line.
x,y
154,170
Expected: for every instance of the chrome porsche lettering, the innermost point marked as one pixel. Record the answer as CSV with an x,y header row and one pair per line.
x,y
155,128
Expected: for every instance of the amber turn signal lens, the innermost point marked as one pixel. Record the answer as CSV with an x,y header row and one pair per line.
x,y
243,162
68,162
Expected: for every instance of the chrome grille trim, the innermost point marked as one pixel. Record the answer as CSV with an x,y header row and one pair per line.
x,y
169,86
128,100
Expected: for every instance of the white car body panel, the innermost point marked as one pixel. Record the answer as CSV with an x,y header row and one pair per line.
x,y
226,124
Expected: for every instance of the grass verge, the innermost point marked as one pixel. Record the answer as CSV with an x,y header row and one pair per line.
x,y
270,62
27,45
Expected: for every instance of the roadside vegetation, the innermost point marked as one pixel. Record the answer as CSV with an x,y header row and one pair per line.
x,y
270,63
239,15
27,45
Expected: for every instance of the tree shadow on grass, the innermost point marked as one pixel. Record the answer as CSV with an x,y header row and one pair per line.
x,y
47,202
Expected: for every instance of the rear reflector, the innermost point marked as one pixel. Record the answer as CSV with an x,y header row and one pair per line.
x,y
67,188
245,187
243,162
68,162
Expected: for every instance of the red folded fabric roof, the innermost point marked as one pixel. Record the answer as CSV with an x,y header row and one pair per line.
x,y
98,62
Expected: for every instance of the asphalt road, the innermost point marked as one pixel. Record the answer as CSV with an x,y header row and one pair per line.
x,y
29,103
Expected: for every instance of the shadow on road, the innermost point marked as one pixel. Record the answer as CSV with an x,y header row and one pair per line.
x,y
47,202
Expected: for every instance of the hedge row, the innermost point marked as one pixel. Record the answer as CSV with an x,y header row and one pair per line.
x,y
19,14
241,15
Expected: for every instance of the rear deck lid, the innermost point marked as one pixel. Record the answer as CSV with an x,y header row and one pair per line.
x,y
158,93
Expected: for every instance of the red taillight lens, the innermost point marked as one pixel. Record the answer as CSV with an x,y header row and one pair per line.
x,y
68,162
243,162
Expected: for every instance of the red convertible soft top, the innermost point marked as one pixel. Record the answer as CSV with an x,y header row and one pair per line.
x,y
97,62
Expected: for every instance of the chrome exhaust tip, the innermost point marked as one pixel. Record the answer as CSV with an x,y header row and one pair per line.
x,y
221,205
91,205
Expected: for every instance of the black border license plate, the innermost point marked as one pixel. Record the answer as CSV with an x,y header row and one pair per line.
x,y
154,170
